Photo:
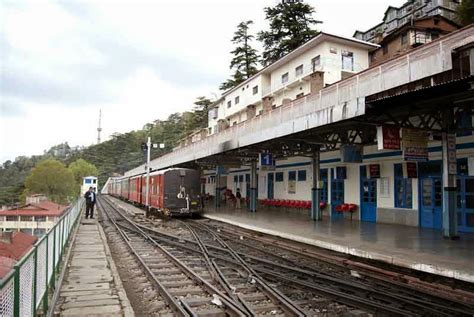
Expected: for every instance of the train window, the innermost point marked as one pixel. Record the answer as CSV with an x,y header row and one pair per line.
x,y
241,178
279,177
236,179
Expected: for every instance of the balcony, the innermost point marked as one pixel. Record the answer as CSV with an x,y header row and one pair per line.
x,y
342,100
308,70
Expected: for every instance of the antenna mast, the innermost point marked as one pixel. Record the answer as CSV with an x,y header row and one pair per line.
x,y
99,129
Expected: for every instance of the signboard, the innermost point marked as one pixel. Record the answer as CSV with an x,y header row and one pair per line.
x,y
451,151
374,171
351,153
415,145
341,172
266,162
222,170
388,138
410,170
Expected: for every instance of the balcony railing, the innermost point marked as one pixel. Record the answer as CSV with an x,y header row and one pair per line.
x,y
342,100
308,69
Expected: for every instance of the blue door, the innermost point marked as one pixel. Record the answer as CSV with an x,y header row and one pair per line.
x,y
465,204
337,195
368,201
270,187
431,211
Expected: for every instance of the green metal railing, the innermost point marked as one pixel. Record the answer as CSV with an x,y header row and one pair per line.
x,y
26,288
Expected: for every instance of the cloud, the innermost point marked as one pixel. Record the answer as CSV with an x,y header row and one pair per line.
x,y
60,62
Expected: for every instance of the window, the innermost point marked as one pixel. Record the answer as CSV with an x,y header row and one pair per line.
x,y
302,176
255,90
94,181
247,178
237,99
26,218
88,181
241,178
299,70
12,218
315,62
347,60
403,189
229,104
284,78
404,38
292,175
279,177
236,178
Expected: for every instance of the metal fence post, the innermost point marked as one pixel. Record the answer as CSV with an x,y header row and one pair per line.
x,y
35,277
45,296
16,298
54,258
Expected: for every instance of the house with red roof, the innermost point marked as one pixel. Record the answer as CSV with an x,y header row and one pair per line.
x,y
13,246
34,218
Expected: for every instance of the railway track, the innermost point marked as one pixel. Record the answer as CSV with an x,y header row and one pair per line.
x,y
317,289
185,291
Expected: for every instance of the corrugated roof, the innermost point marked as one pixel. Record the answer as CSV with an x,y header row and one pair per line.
x,y
20,244
43,208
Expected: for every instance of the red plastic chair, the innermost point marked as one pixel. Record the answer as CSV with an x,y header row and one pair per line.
x,y
322,204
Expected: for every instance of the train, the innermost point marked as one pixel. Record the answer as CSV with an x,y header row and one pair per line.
x,y
172,192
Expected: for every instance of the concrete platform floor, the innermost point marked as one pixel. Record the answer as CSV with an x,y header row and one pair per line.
x,y
92,286
420,249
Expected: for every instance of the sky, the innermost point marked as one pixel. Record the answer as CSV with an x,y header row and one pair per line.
x,y
137,61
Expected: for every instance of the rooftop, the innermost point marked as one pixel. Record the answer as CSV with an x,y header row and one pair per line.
x,y
43,208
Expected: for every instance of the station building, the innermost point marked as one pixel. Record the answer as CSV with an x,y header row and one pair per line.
x,y
392,140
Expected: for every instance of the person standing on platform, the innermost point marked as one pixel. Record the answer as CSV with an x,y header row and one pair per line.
x,y
90,197
238,197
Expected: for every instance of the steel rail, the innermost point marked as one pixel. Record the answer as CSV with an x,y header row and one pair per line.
x,y
172,302
376,306
420,303
228,302
276,295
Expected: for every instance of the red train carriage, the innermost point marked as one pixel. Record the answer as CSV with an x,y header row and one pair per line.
x,y
175,191
135,190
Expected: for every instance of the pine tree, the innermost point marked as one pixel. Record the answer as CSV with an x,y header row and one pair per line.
x,y
245,56
465,12
291,25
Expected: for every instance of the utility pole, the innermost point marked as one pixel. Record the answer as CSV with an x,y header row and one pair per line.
x,y
99,129
147,166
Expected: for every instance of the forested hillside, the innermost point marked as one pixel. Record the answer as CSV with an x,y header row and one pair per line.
x,y
115,156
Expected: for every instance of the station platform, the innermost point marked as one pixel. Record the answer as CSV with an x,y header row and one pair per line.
x,y
411,247
91,286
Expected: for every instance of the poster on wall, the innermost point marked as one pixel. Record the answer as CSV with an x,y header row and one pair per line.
x,y
415,145
374,171
388,138
291,186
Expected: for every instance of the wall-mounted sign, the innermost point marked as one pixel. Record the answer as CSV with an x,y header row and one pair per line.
x,y
266,162
388,138
351,153
374,171
341,172
415,145
410,170
451,151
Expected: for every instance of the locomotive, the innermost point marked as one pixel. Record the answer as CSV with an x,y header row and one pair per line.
x,y
172,192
